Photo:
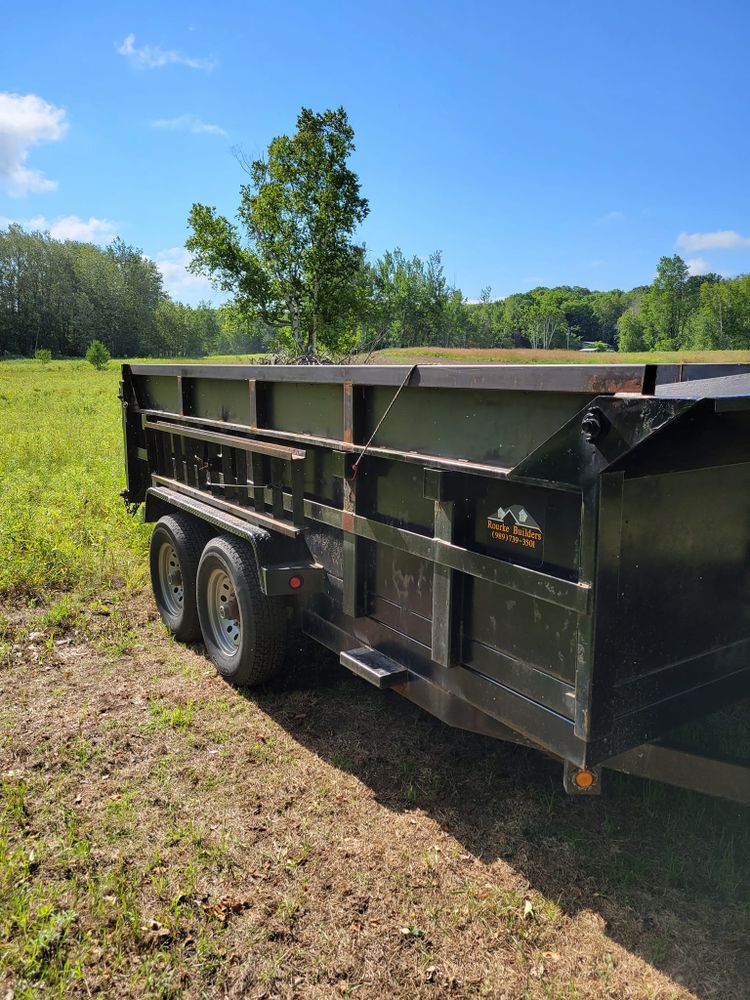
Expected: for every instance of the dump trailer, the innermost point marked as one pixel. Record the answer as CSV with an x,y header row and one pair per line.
x,y
557,555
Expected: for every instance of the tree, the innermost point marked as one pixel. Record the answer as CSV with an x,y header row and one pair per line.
x,y
98,355
667,304
409,303
630,331
298,269
722,319
545,320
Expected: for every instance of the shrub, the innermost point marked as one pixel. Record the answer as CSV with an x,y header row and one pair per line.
x,y
98,355
43,355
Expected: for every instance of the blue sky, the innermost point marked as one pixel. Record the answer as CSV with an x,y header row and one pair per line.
x,y
537,143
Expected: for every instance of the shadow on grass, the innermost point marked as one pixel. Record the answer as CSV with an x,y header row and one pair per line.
x,y
668,870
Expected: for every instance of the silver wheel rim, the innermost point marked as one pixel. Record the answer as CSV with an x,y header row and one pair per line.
x,y
223,612
170,580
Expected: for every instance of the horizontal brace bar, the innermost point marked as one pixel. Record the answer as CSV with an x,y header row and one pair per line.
x,y
693,771
263,520
228,440
573,596
412,457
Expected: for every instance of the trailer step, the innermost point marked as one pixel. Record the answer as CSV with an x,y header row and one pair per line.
x,y
375,667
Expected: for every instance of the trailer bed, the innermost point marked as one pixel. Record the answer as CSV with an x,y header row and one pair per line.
x,y
558,555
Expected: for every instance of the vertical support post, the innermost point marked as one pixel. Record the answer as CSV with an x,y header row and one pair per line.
x,y
242,493
173,445
277,488
256,471
184,451
227,473
442,589
180,397
354,565
261,468
252,386
442,576
202,469
348,413
165,454
601,538
585,641
298,493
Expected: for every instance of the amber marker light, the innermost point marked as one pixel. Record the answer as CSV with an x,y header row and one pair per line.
x,y
584,779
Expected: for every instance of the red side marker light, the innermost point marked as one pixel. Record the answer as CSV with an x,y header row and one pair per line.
x,y
295,582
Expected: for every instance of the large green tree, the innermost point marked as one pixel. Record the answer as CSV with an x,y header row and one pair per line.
x,y
667,304
296,268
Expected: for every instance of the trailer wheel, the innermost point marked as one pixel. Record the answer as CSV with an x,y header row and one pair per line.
x,y
243,629
176,545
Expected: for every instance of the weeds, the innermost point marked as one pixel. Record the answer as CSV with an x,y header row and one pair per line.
x,y
171,716
62,522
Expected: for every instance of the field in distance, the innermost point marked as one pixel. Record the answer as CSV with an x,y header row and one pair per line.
x,y
526,356
491,355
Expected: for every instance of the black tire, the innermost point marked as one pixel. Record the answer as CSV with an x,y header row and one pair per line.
x,y
185,537
244,631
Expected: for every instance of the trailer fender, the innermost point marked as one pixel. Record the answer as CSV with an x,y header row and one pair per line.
x,y
285,566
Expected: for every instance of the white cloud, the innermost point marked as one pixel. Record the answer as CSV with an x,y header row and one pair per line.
x,y
153,57
698,265
179,282
722,239
69,227
25,121
188,123
614,216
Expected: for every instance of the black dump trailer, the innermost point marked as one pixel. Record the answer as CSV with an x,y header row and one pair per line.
x,y
557,555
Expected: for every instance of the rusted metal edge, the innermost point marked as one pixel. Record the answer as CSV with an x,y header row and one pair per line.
x,y
338,444
228,440
263,520
593,378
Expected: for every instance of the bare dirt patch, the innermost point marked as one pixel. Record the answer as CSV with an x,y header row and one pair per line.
x,y
164,835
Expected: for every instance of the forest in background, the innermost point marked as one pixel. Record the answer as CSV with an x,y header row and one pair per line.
x,y
62,295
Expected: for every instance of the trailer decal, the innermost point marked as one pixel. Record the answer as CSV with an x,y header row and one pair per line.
x,y
515,528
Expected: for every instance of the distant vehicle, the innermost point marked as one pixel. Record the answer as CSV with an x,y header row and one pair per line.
x,y
553,555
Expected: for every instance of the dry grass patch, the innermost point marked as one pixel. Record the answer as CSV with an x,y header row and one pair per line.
x,y
164,835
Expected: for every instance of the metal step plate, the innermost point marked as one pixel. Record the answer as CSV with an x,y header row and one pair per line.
x,y
375,667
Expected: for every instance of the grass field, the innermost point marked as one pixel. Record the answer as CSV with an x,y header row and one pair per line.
x,y
163,835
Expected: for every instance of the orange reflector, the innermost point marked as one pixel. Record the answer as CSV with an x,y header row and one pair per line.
x,y
584,779
295,582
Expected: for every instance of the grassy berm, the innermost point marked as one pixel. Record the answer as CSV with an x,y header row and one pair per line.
x,y
164,835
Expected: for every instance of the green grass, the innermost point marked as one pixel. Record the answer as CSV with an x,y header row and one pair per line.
x,y
63,525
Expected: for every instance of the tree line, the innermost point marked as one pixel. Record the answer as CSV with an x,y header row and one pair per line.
x,y
299,282
60,296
